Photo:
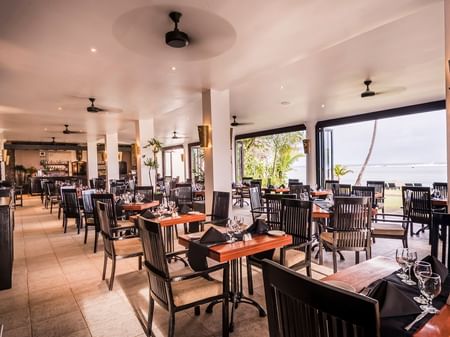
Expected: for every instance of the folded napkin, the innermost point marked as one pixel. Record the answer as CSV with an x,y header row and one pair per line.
x,y
148,214
196,256
392,301
212,235
437,267
258,227
185,209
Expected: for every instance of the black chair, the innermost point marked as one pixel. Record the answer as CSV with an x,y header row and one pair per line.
x,y
299,189
256,207
273,208
442,188
178,291
296,220
220,209
341,190
115,245
147,191
440,232
71,208
108,199
300,306
52,195
350,229
293,181
365,191
379,186
183,195
89,221
329,184
420,207
394,226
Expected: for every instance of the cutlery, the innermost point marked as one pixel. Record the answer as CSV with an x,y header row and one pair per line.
x,y
418,318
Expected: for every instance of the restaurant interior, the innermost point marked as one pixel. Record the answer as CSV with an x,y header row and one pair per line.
x,y
235,168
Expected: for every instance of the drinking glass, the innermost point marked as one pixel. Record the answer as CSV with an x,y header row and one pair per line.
x,y
230,231
421,267
430,288
401,262
410,257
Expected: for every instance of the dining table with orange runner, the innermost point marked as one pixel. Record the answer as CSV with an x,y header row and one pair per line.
x,y
139,206
232,253
363,274
439,202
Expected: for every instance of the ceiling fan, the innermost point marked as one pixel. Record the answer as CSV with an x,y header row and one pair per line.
x,y
176,136
53,140
370,93
66,130
96,109
235,123
176,38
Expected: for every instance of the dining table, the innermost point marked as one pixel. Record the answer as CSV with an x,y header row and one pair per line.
x,y
439,202
232,254
139,206
363,274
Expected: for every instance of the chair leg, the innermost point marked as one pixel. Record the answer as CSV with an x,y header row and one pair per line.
x,y
65,223
51,207
113,271
249,278
356,257
105,263
225,319
151,308
197,310
95,240
85,234
320,252
59,211
405,242
334,261
140,262
308,260
171,325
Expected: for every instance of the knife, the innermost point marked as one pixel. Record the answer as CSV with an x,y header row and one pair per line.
x,y
418,318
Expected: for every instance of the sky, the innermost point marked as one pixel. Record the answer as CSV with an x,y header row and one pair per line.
x,y
412,139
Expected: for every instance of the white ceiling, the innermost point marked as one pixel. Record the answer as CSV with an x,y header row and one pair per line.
x,y
318,52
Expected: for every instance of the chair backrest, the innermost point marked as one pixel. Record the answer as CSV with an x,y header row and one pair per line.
x,y
71,206
299,189
365,191
255,198
301,306
442,188
50,188
88,206
294,181
147,191
5,191
341,190
420,204
379,186
441,220
296,219
108,199
246,180
220,206
329,184
101,209
155,260
184,195
273,207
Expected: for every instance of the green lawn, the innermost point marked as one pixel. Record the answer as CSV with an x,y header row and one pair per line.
x,y
392,201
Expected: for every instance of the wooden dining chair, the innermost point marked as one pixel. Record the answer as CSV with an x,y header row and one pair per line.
x,y
88,211
256,207
301,306
365,191
116,246
71,209
341,190
220,209
394,226
299,189
182,290
379,186
296,220
328,185
421,209
147,191
273,208
350,228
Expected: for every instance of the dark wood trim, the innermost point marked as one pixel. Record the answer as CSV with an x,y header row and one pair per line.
x,y
394,112
20,145
292,128
190,146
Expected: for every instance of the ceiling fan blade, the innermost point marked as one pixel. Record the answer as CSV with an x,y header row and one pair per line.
x,y
393,90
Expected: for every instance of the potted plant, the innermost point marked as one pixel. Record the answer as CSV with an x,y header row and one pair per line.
x,y
152,162
340,171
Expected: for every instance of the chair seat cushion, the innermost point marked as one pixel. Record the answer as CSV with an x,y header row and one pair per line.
x,y
126,247
195,289
124,223
389,229
90,221
327,236
292,257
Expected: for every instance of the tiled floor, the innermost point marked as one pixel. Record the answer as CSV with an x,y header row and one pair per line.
x,y
57,288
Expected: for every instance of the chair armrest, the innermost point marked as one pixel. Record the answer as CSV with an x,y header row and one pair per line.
x,y
123,237
122,228
171,254
198,273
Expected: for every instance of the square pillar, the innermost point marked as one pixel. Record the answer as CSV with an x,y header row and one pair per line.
x,y
112,156
447,77
92,160
144,132
216,114
311,178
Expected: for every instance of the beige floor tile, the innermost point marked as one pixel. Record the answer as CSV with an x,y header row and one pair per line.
x,y
15,319
45,310
59,326
24,331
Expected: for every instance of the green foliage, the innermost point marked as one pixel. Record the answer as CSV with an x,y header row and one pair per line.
x,y
271,157
155,144
151,163
341,170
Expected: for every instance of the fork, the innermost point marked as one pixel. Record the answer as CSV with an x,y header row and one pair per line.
x,y
417,319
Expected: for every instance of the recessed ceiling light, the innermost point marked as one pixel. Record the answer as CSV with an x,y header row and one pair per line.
x,y
59,108
285,103
323,106
174,68
45,129
281,87
93,50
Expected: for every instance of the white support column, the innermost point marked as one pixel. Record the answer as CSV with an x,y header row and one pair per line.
x,y
144,132
447,77
216,114
92,159
187,174
311,178
112,153
2,163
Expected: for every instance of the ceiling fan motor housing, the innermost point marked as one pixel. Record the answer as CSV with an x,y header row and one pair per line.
x,y
176,38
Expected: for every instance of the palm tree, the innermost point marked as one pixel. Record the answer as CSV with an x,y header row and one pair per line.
x,y
369,154
340,171
152,163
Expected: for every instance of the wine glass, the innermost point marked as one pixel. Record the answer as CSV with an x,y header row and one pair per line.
x,y
410,257
421,268
401,262
171,205
230,231
430,288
